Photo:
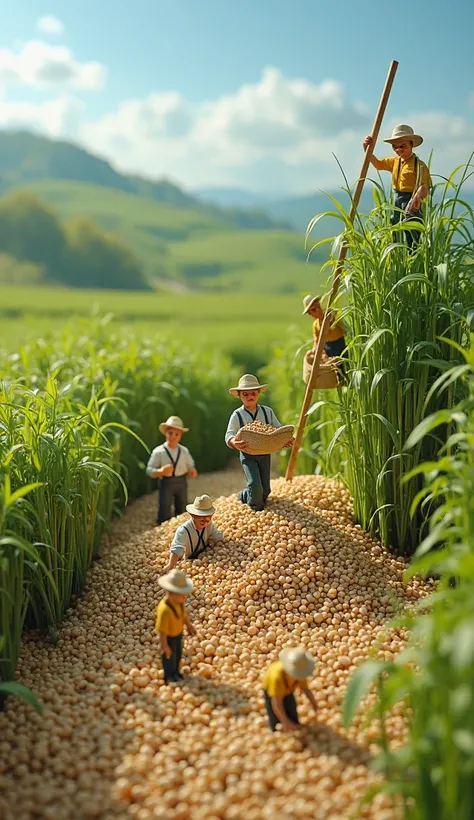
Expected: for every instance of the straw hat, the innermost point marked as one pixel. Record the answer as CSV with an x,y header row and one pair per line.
x,y
247,382
308,303
202,506
401,132
173,421
297,662
176,581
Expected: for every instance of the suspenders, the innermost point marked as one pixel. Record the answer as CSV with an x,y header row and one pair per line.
x,y
417,170
168,603
200,546
253,416
174,462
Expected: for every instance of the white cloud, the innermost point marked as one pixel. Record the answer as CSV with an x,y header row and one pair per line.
x,y
57,118
276,135
48,24
40,65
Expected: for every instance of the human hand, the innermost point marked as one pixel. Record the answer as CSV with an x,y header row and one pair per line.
x,y
167,470
367,141
192,473
191,629
414,204
289,443
289,726
168,568
167,651
238,443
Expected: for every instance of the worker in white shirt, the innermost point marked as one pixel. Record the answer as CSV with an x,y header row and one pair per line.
x,y
172,464
256,468
194,536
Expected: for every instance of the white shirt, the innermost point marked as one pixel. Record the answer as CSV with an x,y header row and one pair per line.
x,y
187,538
160,457
235,424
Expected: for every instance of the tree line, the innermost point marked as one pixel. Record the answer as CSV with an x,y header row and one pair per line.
x,y
37,247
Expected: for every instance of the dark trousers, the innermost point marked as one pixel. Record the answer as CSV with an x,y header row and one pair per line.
x,y
289,705
171,664
172,490
257,473
402,198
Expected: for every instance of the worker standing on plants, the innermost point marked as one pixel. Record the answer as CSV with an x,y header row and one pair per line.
x,y
335,344
288,673
192,538
172,464
411,180
256,468
171,617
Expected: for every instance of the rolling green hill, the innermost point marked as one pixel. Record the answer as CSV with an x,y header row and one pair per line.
x,y
199,249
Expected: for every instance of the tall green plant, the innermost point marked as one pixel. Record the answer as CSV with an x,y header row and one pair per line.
x,y
403,309
434,677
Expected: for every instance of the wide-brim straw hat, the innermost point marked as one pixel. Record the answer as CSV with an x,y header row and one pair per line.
x,y
176,581
297,662
202,506
247,382
173,421
308,303
401,132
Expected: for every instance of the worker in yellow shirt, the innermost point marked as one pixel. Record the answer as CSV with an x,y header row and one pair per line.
x,y
171,617
282,678
411,180
334,344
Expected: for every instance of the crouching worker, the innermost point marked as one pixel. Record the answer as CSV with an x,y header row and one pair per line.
x,y
256,468
172,464
192,538
411,180
280,680
171,617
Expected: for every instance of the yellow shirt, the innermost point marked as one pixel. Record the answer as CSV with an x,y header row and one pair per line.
x,y
403,172
336,329
170,617
277,684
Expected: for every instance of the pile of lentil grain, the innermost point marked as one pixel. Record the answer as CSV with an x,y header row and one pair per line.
x,y
115,742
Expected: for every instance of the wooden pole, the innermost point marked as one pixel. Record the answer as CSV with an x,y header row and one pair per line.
x,y
338,272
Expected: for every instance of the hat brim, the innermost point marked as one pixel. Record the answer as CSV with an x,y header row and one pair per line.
x,y
316,299
192,510
287,664
414,138
165,584
234,391
163,428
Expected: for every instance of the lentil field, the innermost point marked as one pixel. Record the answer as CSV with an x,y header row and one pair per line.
x,y
115,742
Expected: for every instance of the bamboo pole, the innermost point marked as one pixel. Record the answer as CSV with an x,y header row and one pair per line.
x,y
338,272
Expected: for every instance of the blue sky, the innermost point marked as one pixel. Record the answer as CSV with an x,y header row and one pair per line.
x,y
253,94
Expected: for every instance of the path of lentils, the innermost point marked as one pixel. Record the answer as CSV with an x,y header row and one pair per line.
x,y
115,742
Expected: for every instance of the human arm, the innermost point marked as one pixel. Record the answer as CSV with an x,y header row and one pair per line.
x,y
191,629
173,560
155,467
232,438
279,709
422,191
190,466
311,698
177,548
385,164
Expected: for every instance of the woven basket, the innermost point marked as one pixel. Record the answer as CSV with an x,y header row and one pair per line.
x,y
259,444
325,377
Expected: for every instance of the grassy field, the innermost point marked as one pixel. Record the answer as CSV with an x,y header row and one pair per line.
x,y
202,250
245,327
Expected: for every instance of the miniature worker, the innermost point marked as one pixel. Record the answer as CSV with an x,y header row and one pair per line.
x,y
288,673
194,536
256,468
335,344
171,617
411,180
172,464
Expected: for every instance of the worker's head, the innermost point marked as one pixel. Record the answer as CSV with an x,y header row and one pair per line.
x,y
201,511
172,429
403,149
404,140
312,306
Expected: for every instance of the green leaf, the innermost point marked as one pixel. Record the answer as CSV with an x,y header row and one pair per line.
x,y
20,691
359,685
430,423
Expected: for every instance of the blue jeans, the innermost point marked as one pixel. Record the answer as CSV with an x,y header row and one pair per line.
x,y
171,665
172,489
402,198
257,473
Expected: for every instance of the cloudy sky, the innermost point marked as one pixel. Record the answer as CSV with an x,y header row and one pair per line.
x,y
256,94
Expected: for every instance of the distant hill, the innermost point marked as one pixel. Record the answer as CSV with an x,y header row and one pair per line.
x,y
27,158
200,250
